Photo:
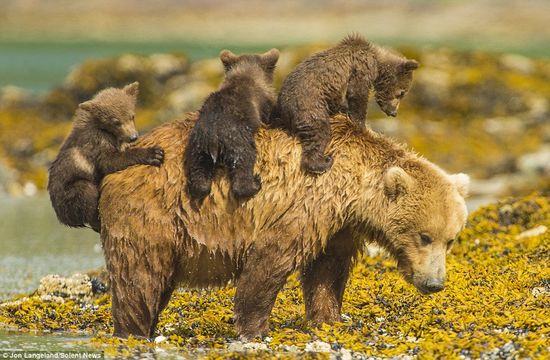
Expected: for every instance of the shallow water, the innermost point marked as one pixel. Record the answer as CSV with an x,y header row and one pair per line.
x,y
34,244
17,341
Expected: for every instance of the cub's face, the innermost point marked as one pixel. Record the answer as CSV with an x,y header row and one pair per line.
x,y
425,216
394,85
266,62
113,111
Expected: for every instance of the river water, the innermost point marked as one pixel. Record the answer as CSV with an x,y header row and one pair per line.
x,y
34,244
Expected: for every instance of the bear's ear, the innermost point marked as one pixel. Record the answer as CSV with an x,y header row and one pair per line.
x,y
409,65
228,59
132,89
88,106
462,183
397,182
270,58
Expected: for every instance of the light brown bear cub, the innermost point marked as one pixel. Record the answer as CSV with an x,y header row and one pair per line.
x,y
102,128
343,75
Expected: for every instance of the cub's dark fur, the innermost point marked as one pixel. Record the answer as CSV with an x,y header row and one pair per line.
x,y
337,78
228,121
102,127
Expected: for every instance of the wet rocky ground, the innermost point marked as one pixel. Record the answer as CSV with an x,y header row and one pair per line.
x,y
496,305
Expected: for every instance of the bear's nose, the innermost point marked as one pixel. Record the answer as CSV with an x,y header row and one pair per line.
x,y
434,285
133,137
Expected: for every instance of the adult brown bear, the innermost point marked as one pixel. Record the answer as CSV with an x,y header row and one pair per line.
x,y
377,190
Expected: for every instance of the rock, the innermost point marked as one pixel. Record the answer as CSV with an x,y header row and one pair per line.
x,y
536,163
8,178
160,339
78,287
540,291
318,346
518,63
239,346
536,231
13,96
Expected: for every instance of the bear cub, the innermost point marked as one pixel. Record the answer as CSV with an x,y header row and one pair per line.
x,y
337,78
228,121
102,128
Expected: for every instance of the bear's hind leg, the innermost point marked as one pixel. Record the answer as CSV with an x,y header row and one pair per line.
x,y
79,205
313,130
199,169
324,279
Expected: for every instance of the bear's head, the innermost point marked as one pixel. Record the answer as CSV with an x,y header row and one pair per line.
x,y
394,80
426,211
265,62
113,111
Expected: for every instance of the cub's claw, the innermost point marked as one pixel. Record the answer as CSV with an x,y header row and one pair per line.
x,y
155,156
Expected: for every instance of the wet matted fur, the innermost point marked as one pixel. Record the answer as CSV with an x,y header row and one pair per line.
x,y
377,190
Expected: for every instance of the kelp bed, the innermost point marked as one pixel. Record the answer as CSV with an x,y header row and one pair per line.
x,y
496,305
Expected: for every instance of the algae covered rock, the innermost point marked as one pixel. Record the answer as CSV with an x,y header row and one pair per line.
x,y
495,304
155,73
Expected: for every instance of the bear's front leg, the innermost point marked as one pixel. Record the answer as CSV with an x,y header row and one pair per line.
x,y
357,97
116,161
142,278
263,276
324,279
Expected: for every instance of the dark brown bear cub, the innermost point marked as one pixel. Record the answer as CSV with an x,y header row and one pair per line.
x,y
102,128
228,121
334,79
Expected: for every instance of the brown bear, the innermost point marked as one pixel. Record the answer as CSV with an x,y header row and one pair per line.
x,y
102,127
344,75
378,191
228,122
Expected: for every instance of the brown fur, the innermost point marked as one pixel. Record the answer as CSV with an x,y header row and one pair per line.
x,y
93,149
334,79
377,191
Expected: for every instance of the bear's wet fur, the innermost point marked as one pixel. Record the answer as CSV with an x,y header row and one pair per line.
x,y
102,127
228,121
336,79
378,191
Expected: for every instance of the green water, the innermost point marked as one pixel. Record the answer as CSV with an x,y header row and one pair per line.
x,y
34,244
41,65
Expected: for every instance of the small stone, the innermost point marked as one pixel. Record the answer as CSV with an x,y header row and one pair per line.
x,y
536,231
345,354
160,339
318,346
540,291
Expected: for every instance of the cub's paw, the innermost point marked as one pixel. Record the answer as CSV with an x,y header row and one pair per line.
x,y
247,189
154,156
317,165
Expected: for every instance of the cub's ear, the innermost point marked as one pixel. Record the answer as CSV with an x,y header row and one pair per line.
x,y
409,65
88,106
228,59
270,58
462,183
132,89
397,182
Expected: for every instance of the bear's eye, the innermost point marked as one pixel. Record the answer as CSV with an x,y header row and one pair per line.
x,y
115,121
425,239
133,117
401,94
